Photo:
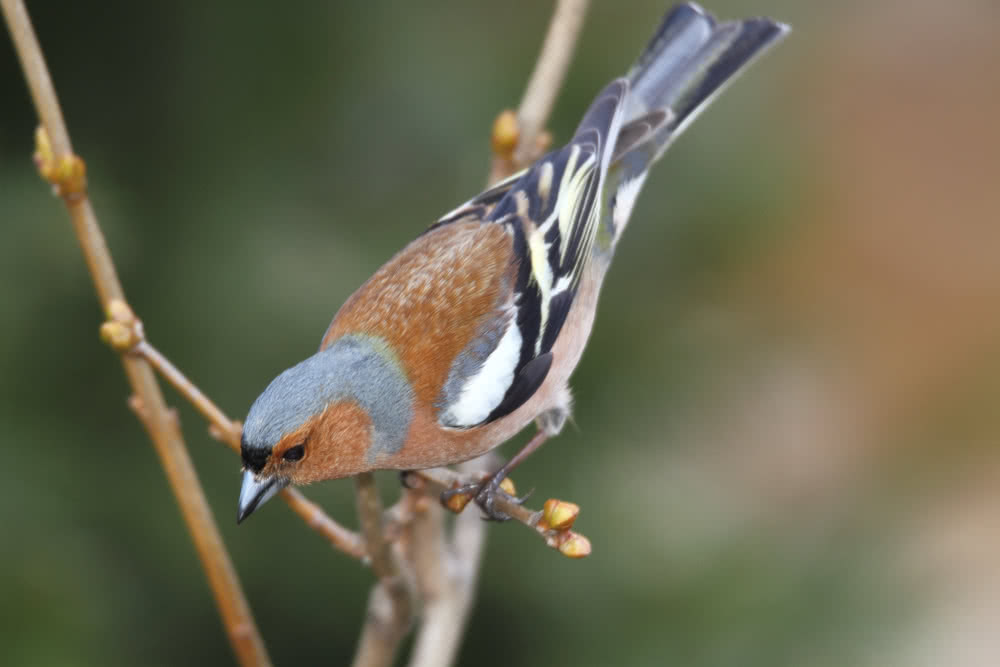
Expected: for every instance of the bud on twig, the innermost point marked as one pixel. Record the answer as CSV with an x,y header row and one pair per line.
x,y
558,515
457,502
506,133
67,174
123,330
573,545
117,336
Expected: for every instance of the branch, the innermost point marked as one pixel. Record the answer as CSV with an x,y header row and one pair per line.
x,y
221,427
553,522
340,538
519,139
391,604
447,574
229,432
67,173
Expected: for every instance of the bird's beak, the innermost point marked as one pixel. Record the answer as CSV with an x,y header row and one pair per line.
x,y
256,492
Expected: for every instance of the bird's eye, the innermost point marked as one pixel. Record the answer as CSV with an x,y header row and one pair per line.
x,y
294,453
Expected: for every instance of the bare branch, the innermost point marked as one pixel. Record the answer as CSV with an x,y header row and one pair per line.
x,y
370,516
340,538
543,87
447,584
553,523
380,634
223,428
391,604
66,172
550,70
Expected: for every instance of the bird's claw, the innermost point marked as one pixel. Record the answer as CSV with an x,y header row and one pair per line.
x,y
485,494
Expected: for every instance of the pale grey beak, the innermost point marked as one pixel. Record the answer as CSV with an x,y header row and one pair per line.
x,y
256,492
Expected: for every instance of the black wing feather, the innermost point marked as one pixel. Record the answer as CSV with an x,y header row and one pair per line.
x,y
530,204
527,381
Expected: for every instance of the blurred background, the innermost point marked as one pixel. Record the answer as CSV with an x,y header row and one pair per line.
x,y
787,418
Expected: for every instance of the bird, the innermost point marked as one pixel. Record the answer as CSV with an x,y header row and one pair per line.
x,y
470,333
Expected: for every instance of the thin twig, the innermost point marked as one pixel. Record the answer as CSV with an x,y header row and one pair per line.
x,y
340,538
223,427
229,431
550,70
391,603
557,535
157,418
431,558
370,516
543,86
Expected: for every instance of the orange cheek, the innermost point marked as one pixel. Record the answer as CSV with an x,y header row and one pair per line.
x,y
337,445
276,465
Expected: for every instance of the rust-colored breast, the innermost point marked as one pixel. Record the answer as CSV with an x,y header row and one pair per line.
x,y
430,299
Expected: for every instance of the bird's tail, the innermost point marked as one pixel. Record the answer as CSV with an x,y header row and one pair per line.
x,y
690,59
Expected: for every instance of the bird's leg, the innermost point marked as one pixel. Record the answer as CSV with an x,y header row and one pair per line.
x,y
486,492
550,423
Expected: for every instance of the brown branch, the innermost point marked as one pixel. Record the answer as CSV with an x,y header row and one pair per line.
x,y
447,574
370,517
553,522
222,427
527,127
66,172
431,559
550,70
229,432
391,603
340,538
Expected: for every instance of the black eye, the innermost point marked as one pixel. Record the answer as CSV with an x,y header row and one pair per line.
x,y
294,453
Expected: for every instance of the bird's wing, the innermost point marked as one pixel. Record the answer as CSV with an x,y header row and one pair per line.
x,y
478,209
446,288
551,212
472,308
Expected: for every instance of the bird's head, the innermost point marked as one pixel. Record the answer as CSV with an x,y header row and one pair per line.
x,y
333,415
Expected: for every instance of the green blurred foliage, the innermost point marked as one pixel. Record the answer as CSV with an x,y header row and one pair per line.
x,y
251,164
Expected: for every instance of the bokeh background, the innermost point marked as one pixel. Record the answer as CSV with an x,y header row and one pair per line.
x,y
787,418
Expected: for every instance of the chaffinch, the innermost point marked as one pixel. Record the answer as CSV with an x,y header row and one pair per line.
x,y
471,331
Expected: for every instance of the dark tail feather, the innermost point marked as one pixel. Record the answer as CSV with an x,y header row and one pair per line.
x,y
689,61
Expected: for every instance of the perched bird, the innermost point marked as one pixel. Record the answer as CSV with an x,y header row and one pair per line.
x,y
471,331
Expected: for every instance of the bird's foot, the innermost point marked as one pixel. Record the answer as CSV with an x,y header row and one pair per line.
x,y
485,494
